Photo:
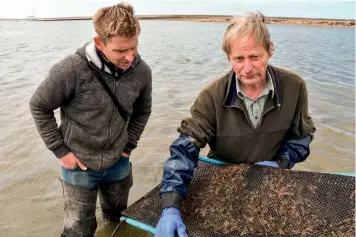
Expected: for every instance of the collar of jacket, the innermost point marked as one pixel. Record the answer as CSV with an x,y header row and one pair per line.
x,y
232,100
105,62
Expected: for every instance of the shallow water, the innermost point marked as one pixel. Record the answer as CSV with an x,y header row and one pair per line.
x,y
184,56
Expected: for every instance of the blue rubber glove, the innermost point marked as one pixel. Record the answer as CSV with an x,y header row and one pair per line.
x,y
268,163
170,223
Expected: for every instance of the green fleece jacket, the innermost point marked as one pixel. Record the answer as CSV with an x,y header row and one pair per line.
x,y
220,118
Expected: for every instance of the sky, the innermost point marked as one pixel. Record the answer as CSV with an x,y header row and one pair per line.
x,y
338,9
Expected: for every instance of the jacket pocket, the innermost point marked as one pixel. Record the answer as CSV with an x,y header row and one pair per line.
x,y
64,129
120,141
81,142
67,134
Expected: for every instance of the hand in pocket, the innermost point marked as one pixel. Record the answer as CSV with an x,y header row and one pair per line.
x,y
70,161
125,155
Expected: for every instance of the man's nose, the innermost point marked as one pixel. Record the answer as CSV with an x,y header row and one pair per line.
x,y
248,66
130,55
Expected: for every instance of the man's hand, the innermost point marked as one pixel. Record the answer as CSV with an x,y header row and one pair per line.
x,y
125,155
170,223
70,161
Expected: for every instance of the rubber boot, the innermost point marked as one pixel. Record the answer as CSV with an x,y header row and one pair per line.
x,y
79,208
114,198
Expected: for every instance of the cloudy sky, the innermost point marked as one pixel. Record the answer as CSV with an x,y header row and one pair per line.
x,y
340,9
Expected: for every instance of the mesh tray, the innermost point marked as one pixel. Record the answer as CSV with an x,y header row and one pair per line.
x,y
253,201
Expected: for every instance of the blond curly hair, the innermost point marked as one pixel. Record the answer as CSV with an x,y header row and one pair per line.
x,y
117,20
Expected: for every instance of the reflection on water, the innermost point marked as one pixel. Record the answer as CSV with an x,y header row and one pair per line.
x,y
184,56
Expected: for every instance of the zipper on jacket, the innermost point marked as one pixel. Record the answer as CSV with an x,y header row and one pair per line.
x,y
247,118
108,133
263,114
111,116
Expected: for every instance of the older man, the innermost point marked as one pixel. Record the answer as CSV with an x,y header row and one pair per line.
x,y
254,114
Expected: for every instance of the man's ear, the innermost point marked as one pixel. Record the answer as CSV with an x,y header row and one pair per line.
x,y
271,49
99,43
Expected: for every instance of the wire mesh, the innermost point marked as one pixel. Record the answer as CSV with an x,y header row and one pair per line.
x,y
254,201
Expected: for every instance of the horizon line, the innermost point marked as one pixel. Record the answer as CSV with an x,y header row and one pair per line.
x,y
143,16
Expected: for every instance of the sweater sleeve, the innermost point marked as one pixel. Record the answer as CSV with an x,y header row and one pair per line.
x,y
54,91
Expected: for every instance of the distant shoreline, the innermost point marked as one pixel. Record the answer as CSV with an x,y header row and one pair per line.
x,y
319,22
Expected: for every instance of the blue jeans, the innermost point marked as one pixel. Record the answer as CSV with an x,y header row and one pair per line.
x,y
90,179
81,189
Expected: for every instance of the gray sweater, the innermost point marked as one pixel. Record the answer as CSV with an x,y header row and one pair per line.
x,y
91,126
